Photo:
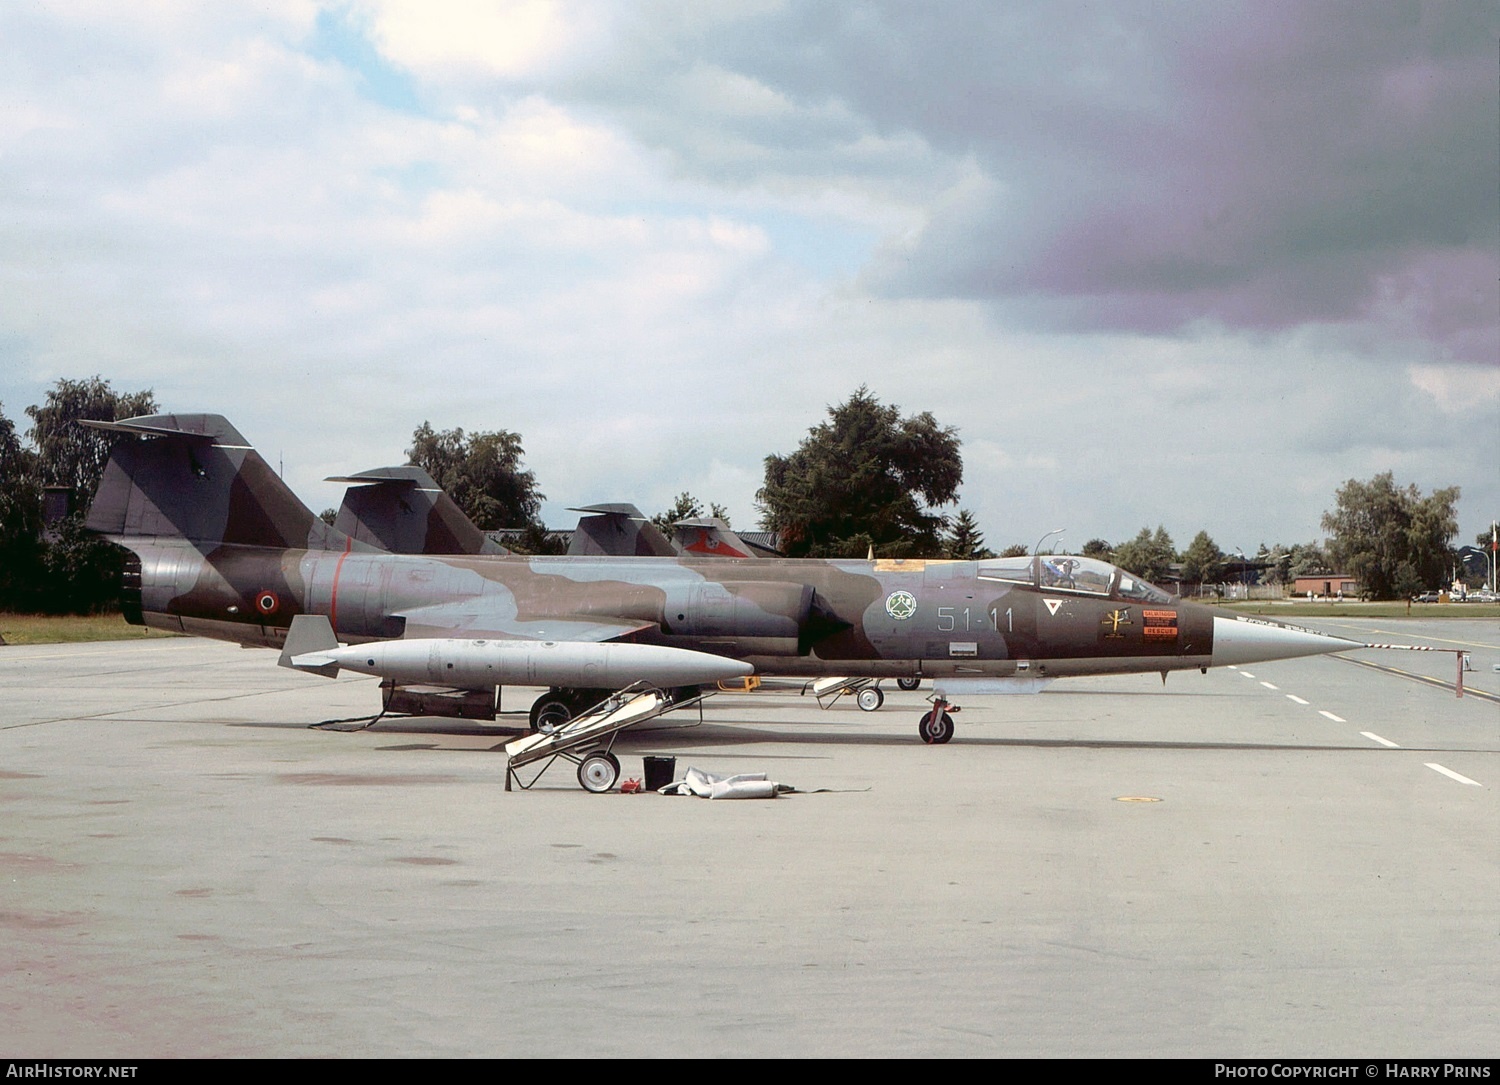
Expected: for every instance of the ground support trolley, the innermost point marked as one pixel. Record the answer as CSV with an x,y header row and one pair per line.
x,y
587,740
866,692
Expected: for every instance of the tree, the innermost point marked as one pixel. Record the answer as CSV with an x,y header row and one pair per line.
x,y
964,540
534,539
866,477
72,455
79,572
1015,550
1391,539
20,517
1149,556
1202,560
687,507
1098,548
482,473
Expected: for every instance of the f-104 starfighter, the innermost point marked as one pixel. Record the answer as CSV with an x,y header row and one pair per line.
x,y
222,548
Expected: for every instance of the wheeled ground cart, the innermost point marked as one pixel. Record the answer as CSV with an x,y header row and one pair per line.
x,y
587,740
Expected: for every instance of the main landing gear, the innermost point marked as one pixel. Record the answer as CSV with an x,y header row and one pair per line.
x,y
559,705
936,726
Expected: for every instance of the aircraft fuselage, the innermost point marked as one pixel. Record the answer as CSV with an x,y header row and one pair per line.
x,y
788,617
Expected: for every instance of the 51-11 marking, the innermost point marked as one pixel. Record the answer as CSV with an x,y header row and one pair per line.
x,y
948,619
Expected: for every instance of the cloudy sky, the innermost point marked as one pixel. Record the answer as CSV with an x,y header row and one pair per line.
x,y
1180,264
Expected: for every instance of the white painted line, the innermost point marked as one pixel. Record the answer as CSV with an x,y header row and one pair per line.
x,y
1294,697
1269,686
1247,674
1435,767
1373,737
1331,716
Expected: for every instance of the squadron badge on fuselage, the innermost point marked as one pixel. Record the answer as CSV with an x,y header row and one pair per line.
x,y
900,605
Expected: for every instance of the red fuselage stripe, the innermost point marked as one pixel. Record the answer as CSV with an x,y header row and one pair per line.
x,y
333,601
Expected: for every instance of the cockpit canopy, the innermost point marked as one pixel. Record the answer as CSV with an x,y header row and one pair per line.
x,y
1080,576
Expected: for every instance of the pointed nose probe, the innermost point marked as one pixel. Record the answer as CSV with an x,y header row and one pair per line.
x,y
1239,640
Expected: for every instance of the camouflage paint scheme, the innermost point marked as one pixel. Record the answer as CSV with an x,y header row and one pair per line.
x,y
617,530
225,550
404,511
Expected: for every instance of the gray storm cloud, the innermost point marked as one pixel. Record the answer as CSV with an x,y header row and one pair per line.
x,y
1147,166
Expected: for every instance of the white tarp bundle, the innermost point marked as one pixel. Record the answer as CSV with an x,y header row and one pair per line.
x,y
708,785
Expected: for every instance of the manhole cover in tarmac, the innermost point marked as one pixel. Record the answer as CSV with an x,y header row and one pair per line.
x,y
1136,798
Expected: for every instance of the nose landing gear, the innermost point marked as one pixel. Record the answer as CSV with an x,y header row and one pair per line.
x,y
936,727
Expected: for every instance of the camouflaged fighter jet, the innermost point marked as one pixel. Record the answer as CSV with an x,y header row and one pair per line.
x,y
224,549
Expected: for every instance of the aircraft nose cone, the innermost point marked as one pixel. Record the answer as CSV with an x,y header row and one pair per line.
x,y
1240,640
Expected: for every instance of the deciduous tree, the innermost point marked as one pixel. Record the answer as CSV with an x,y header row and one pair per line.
x,y
687,507
482,473
79,572
1148,555
1390,538
1202,560
20,518
865,477
72,455
1098,548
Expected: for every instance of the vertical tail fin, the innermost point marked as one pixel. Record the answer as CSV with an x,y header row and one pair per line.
x,y
618,530
192,476
711,537
403,510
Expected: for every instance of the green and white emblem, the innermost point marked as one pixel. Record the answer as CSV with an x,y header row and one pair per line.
x,y
900,605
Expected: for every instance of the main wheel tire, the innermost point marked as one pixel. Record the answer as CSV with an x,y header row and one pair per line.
x,y
581,700
598,772
550,712
870,698
935,727
908,684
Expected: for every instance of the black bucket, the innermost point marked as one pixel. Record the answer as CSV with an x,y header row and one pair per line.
x,y
659,771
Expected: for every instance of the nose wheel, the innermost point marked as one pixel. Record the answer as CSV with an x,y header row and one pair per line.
x,y
936,726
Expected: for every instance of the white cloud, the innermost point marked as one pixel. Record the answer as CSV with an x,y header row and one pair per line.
x,y
510,39
655,291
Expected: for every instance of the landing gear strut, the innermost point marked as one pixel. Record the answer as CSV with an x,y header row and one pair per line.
x,y
936,726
